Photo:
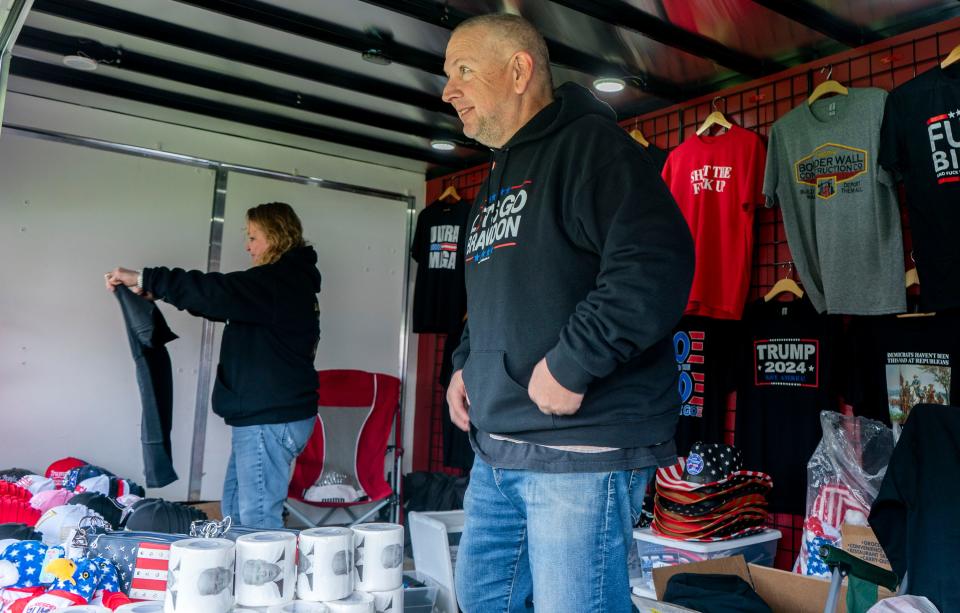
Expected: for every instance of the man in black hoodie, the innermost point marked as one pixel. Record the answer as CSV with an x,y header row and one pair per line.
x,y
266,385
579,264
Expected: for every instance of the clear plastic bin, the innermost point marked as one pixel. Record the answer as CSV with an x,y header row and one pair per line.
x,y
656,551
435,537
420,599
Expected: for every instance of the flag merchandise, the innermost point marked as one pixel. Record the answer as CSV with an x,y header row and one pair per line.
x,y
149,580
708,496
833,504
58,470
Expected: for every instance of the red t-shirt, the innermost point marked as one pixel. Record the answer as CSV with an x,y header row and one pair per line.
x,y
718,181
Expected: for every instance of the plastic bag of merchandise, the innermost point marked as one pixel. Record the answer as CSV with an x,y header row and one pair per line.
x,y
843,478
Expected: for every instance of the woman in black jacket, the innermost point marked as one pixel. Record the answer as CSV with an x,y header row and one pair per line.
x,y
266,385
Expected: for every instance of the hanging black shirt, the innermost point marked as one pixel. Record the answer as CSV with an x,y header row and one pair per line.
x,y
920,139
788,374
915,513
148,334
899,362
440,295
704,349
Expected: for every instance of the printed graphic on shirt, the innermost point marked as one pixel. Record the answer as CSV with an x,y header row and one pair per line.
x,y
914,378
443,247
787,361
688,350
943,146
832,169
710,178
497,225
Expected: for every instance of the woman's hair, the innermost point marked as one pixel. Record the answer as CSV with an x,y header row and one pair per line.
x,y
280,225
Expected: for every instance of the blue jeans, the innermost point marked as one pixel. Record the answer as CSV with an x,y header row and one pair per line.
x,y
558,540
259,471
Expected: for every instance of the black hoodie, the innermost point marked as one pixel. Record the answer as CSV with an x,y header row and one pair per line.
x,y
575,251
266,373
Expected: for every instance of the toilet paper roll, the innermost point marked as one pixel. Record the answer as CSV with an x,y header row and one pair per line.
x,y
140,607
200,576
388,602
379,557
326,564
299,606
357,602
266,568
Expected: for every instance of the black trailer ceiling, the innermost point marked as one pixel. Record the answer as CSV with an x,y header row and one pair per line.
x,y
362,78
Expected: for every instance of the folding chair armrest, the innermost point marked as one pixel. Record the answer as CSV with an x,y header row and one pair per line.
x,y
852,565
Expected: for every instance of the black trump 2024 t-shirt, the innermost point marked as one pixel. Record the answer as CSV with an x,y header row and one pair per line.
x,y
788,374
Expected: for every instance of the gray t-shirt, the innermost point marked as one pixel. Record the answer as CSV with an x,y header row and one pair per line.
x,y
840,209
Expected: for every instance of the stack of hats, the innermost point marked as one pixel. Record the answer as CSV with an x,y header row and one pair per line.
x,y
15,505
158,515
68,491
707,496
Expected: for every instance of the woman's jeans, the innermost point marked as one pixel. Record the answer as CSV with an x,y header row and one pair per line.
x,y
558,541
259,471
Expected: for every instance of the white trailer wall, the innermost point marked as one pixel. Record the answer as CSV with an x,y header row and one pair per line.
x,y
69,213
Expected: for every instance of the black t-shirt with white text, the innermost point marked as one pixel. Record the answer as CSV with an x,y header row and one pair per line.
x,y
788,375
900,362
704,349
440,295
920,140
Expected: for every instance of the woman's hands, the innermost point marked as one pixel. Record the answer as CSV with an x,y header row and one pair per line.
x,y
127,277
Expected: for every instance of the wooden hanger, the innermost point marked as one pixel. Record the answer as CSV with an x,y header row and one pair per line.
x,y
716,118
911,278
450,192
786,284
952,58
638,136
827,87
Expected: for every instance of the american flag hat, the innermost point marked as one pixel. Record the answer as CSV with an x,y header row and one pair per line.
x,y
749,524
734,533
697,514
708,465
673,478
745,514
696,503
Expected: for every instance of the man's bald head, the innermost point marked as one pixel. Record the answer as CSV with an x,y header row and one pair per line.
x,y
507,34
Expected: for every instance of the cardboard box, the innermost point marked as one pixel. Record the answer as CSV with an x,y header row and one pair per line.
x,y
783,591
862,542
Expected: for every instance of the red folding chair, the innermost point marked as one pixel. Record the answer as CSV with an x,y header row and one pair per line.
x,y
355,414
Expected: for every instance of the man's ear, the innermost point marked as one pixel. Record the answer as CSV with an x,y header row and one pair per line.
x,y
521,71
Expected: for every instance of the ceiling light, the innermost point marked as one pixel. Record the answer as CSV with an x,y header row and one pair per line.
x,y
442,145
80,62
609,85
